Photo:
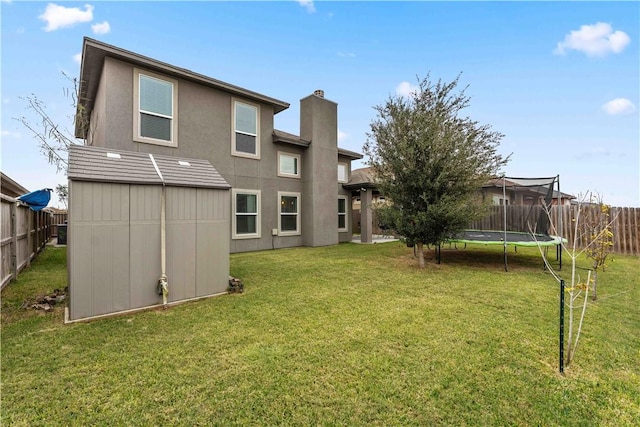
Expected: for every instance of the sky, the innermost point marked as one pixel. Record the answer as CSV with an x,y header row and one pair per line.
x,y
560,80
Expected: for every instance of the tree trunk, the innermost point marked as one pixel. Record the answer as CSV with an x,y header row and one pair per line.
x,y
594,296
420,255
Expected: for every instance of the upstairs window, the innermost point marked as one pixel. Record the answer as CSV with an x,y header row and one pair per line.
x,y
343,172
288,165
155,109
245,141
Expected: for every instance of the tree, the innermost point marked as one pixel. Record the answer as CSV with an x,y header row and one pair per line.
x,y
430,162
63,194
54,139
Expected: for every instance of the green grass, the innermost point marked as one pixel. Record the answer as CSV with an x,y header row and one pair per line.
x,y
343,335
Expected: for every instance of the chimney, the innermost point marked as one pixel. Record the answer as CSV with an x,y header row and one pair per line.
x,y
319,125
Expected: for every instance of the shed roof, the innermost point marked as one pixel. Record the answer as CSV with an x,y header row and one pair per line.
x,y
105,165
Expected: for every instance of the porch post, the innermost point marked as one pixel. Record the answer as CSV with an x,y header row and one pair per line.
x,y
366,215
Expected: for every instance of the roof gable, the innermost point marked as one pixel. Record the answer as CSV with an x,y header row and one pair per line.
x,y
94,52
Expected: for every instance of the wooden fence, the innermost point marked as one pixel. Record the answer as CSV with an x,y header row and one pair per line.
x,y
626,223
24,233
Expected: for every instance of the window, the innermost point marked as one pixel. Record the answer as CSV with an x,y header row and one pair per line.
x,y
246,214
155,106
289,223
245,141
342,213
499,201
343,172
288,165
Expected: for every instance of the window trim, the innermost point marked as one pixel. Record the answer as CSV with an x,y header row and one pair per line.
x,y
137,72
234,214
345,213
289,175
346,172
234,152
297,232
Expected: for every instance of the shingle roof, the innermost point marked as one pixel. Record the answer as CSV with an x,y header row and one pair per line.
x,y
106,165
289,138
361,178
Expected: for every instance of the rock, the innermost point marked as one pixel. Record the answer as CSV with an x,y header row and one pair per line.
x,y
235,286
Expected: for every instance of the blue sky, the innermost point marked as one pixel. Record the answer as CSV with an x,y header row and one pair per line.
x,y
561,80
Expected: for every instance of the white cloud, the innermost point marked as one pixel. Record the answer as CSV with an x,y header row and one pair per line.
x,y
619,106
342,136
347,54
307,4
61,17
406,89
77,58
594,40
101,28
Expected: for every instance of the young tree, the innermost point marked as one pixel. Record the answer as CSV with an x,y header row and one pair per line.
x,y
63,194
592,237
430,162
54,139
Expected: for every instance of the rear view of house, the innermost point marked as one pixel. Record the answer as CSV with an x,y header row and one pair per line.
x,y
286,190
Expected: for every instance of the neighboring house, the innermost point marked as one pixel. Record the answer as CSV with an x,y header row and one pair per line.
x,y
287,190
11,188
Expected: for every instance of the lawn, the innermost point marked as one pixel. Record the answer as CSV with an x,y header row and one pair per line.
x,y
343,335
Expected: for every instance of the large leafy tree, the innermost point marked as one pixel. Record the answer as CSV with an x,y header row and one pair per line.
x,y
430,161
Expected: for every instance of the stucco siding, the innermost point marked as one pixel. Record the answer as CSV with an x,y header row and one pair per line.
x,y
204,131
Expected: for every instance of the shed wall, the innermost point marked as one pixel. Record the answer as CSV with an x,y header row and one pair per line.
x,y
114,245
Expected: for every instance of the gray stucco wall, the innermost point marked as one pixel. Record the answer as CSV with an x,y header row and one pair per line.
x,y
205,131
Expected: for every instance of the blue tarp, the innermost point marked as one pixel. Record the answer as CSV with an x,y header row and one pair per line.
x,y
37,200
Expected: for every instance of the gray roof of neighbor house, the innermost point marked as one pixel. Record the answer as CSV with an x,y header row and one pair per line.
x,y
289,138
94,52
10,187
117,166
361,178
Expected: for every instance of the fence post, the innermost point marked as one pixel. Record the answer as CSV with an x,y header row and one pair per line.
x,y
561,359
14,241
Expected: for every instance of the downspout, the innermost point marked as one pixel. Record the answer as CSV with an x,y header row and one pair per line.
x,y
163,281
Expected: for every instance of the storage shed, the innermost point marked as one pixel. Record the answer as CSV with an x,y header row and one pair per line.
x,y
120,237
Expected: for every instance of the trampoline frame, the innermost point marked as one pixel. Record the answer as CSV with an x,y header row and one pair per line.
x,y
533,239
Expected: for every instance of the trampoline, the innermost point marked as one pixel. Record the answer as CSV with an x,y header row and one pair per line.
x,y
532,198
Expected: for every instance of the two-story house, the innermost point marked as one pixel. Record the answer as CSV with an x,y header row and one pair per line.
x,y
286,190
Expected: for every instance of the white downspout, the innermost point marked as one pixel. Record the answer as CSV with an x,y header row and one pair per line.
x,y
163,281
